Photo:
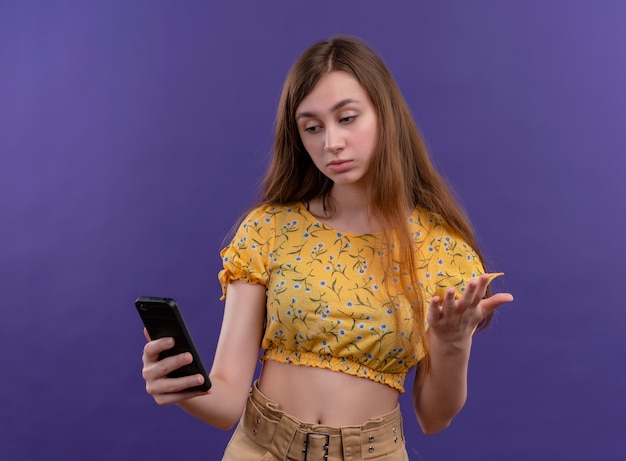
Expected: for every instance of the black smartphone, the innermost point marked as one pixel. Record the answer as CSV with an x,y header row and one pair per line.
x,y
163,319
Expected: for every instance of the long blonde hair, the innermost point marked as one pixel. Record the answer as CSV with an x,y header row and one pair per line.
x,y
401,174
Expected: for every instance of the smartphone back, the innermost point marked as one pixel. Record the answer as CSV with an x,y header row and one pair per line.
x,y
162,318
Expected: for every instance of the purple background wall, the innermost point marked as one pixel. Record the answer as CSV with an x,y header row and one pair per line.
x,y
133,134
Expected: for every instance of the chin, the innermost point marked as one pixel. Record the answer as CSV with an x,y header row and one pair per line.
x,y
346,180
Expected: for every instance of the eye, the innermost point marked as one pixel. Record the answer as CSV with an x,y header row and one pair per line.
x,y
348,119
312,128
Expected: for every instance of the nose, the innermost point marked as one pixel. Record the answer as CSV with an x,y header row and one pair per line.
x,y
334,141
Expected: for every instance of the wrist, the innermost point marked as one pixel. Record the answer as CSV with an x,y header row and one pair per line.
x,y
448,345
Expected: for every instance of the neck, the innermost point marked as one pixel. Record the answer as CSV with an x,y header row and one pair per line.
x,y
349,210
349,201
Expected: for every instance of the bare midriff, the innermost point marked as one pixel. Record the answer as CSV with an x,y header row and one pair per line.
x,y
326,397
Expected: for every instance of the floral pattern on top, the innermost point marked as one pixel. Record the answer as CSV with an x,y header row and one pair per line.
x,y
328,303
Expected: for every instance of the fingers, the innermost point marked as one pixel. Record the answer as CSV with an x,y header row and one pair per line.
x,y
490,304
476,290
159,385
442,306
471,306
168,399
471,295
152,349
474,295
448,302
434,311
454,321
169,390
155,368
166,391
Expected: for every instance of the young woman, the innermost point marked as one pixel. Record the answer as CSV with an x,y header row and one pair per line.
x,y
357,265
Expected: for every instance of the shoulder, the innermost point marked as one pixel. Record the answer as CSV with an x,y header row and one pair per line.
x,y
274,212
428,223
273,218
439,238
445,255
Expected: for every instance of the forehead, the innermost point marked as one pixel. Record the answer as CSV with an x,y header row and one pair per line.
x,y
332,88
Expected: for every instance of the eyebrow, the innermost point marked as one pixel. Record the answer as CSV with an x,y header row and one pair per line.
x,y
335,108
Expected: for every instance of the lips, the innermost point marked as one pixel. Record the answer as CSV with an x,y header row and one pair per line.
x,y
339,166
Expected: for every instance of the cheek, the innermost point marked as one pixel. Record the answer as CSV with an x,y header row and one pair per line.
x,y
317,161
311,146
368,140
368,135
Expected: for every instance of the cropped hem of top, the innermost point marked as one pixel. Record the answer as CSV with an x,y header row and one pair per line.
x,y
330,302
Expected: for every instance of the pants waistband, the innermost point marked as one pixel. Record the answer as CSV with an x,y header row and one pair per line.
x,y
290,439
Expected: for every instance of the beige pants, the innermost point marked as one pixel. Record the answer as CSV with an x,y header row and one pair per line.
x,y
265,433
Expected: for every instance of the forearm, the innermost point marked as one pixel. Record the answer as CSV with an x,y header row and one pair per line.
x,y
439,395
236,357
222,407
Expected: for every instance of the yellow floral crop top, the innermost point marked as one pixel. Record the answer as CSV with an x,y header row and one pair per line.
x,y
326,305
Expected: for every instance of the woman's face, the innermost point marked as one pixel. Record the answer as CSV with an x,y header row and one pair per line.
x,y
338,126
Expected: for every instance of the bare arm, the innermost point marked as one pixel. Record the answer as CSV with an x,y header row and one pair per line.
x,y
233,368
439,395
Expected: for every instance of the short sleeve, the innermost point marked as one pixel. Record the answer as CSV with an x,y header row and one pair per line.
x,y
453,263
246,258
